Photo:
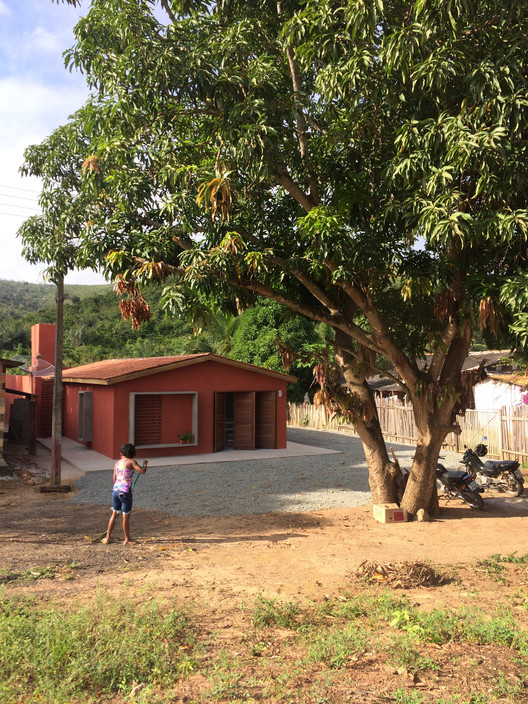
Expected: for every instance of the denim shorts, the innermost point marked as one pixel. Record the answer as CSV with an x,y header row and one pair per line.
x,y
122,501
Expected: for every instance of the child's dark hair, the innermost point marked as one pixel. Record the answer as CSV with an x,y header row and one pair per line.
x,y
128,451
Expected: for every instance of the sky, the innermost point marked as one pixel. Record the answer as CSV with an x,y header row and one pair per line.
x,y
37,94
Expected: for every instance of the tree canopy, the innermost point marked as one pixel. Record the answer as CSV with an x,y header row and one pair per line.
x,y
363,163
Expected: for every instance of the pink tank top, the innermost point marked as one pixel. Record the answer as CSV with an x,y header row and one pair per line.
x,y
123,477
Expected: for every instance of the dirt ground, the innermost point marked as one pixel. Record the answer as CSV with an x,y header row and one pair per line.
x,y
287,554
50,547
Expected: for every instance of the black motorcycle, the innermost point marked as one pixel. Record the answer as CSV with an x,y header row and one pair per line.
x,y
458,484
503,475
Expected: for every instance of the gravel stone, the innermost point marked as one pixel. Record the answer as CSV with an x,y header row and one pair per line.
x,y
282,484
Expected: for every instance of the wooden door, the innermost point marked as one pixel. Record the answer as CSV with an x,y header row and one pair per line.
x,y
219,422
244,420
266,420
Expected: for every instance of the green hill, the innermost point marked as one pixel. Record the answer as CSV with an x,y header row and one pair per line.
x,y
23,297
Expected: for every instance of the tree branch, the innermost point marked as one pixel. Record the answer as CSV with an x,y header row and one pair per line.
x,y
310,285
285,180
168,268
166,6
300,119
383,339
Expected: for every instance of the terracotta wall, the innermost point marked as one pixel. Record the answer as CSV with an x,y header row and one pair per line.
x,y
111,405
42,388
43,342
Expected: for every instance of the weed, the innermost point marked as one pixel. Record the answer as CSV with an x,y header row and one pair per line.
x,y
476,627
35,573
513,558
257,650
472,625
346,609
406,622
403,697
269,612
491,567
101,648
225,678
336,647
404,654
7,575
506,688
494,565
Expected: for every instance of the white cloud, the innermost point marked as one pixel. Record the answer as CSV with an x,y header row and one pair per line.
x,y
29,109
42,40
4,10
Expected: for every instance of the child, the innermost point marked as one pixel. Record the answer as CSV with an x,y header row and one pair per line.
x,y
122,491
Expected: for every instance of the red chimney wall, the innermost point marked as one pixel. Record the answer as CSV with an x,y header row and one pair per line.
x,y
43,342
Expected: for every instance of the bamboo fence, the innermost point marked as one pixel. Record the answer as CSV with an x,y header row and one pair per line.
x,y
504,431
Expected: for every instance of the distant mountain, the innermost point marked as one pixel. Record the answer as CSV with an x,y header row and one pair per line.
x,y
23,297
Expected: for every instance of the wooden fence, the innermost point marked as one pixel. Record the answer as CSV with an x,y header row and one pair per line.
x,y
505,431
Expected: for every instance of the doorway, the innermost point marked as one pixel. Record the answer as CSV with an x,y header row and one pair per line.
x,y
244,420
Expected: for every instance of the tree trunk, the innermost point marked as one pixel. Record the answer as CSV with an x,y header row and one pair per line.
x,y
56,432
420,491
434,409
384,476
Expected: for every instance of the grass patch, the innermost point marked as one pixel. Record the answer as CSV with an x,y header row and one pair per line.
x,y
337,647
289,652
271,612
62,571
101,649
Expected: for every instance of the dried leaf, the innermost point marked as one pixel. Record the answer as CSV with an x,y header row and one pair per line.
x,y
488,316
91,163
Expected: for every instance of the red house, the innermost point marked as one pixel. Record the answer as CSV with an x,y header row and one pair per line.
x,y
169,405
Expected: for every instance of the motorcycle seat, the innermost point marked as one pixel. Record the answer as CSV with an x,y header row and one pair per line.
x,y
494,465
456,474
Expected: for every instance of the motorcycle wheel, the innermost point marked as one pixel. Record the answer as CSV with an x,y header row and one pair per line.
x,y
472,498
511,484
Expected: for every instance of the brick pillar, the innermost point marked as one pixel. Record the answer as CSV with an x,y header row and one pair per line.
x,y
43,342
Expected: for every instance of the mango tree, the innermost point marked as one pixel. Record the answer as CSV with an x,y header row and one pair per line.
x,y
363,163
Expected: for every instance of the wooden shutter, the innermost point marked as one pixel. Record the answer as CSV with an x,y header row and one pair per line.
x,y
219,422
244,420
147,417
265,420
85,427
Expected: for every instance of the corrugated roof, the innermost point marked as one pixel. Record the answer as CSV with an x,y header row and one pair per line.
x,y
114,371
487,358
515,378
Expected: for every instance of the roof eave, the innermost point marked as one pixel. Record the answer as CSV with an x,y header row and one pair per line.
x,y
178,365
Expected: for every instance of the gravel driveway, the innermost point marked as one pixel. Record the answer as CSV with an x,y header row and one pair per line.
x,y
293,484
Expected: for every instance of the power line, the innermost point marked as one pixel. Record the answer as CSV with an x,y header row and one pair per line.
x,y
8,195
25,207
17,188
16,215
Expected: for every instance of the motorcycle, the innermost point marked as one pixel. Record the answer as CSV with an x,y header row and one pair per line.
x,y
459,484
503,475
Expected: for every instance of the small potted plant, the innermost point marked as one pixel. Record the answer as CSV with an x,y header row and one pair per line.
x,y
186,437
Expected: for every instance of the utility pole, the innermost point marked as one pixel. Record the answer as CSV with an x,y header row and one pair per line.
x,y
56,420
